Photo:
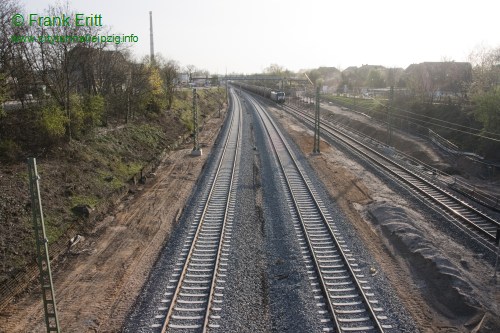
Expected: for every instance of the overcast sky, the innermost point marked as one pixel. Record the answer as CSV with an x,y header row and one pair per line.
x,y
248,36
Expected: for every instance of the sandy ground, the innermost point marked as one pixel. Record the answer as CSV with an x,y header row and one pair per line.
x,y
356,190
98,281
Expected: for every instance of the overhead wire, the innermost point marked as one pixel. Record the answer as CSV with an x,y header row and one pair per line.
x,y
437,119
439,125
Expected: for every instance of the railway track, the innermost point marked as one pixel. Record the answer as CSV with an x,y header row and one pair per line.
x,y
196,286
341,292
460,212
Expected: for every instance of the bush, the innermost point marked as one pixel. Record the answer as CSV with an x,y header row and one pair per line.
x,y
53,121
77,115
86,114
94,110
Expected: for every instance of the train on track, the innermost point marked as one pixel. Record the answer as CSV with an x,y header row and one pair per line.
x,y
275,95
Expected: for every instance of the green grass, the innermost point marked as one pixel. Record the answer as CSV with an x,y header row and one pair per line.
x,y
147,135
115,182
126,170
53,229
371,104
76,200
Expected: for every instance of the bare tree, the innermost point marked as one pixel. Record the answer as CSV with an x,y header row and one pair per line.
x,y
485,69
169,73
275,69
190,69
58,64
14,79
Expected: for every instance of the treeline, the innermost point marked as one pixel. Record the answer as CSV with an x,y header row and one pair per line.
x,y
56,92
458,100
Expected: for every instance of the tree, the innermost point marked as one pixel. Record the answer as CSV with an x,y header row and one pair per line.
x,y
18,79
53,121
190,70
275,69
314,75
14,74
375,79
58,65
485,70
169,71
155,99
214,81
7,9
487,110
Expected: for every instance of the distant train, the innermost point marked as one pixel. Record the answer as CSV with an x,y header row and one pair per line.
x,y
278,96
275,95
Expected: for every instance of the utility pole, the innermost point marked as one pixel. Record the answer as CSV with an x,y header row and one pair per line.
x,y
305,94
316,118
316,124
227,97
389,110
196,146
42,251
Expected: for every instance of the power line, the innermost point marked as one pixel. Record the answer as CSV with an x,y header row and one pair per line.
x,y
442,126
437,119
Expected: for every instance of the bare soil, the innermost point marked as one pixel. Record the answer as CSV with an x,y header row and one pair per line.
x,y
359,193
99,278
462,167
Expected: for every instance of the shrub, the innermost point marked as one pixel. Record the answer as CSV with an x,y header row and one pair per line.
x,y
86,113
53,121
77,115
94,110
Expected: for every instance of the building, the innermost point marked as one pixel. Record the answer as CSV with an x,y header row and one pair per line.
x,y
439,79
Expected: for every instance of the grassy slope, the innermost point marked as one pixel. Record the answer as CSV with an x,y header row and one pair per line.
x,y
449,114
83,172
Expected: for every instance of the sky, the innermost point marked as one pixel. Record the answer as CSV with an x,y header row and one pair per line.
x,y
248,36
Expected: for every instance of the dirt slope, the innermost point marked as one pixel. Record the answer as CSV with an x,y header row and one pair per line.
x,y
98,281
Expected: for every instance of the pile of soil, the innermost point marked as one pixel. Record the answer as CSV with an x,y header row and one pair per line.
x,y
445,287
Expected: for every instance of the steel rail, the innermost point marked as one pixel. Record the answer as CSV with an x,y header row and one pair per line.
x,y
460,212
374,318
219,250
194,243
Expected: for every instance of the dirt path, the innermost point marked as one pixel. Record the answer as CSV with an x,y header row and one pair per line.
x,y
97,285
